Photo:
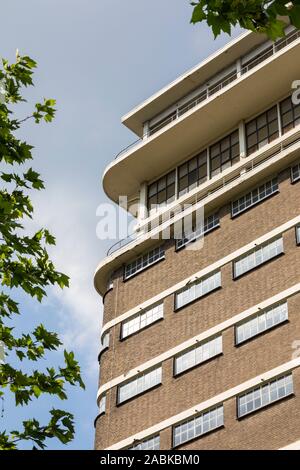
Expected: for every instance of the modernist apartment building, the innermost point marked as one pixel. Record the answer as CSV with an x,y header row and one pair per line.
x,y
200,347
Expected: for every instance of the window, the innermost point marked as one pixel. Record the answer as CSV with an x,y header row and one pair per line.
x,y
142,320
150,444
198,426
224,153
254,197
258,256
161,192
262,130
298,234
295,173
144,261
105,341
197,289
140,384
201,229
263,395
198,354
261,322
102,405
290,114
162,123
192,173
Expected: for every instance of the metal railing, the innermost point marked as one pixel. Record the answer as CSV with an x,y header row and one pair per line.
x,y
210,91
247,167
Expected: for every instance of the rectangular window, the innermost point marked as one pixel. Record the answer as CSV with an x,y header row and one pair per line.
x,y
198,231
261,322
149,444
198,426
224,153
198,354
105,341
295,173
102,405
142,262
263,395
258,256
198,289
143,319
161,192
262,130
298,235
192,173
290,114
140,384
254,197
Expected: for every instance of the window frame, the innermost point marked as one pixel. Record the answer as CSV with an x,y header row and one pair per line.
x,y
139,315
203,155
195,234
297,230
253,252
249,194
297,178
232,159
144,441
166,186
201,280
256,316
193,420
135,379
291,124
217,338
270,137
260,388
160,256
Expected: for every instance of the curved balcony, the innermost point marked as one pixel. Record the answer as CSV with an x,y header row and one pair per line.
x,y
267,52
212,194
240,95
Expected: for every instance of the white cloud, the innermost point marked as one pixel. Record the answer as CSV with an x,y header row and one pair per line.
x,y
71,218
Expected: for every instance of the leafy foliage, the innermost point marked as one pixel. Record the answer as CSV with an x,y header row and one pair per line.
x,y
25,265
255,15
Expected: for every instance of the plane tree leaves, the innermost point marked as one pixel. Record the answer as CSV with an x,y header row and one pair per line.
x,y
25,265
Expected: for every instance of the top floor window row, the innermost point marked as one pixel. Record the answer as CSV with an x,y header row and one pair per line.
x,y
224,78
258,132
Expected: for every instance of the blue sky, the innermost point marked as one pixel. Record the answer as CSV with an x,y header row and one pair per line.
x,y
98,59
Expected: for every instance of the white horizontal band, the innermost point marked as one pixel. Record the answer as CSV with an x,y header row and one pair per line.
x,y
221,398
203,272
293,446
200,337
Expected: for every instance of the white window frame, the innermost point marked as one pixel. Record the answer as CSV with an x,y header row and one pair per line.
x,y
254,197
102,405
263,395
257,257
143,319
295,173
198,354
210,223
261,322
139,384
144,261
298,234
198,426
198,289
152,443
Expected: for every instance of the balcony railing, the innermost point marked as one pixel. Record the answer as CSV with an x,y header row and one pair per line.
x,y
242,170
210,91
